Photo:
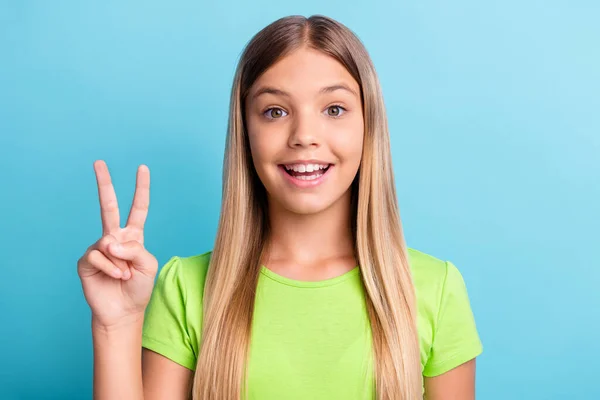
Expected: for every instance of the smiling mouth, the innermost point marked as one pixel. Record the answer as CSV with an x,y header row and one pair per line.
x,y
306,174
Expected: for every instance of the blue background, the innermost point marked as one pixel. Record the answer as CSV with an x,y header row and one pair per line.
x,y
494,110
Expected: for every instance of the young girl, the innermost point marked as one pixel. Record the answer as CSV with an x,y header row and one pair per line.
x,y
310,291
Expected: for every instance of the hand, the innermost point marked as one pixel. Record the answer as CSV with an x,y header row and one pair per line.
x,y
117,273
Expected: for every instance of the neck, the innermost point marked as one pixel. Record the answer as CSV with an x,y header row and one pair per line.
x,y
310,238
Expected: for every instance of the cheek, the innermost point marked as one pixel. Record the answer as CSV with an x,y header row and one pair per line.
x,y
262,144
256,140
349,143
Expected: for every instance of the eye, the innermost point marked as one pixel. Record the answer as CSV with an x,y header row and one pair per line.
x,y
335,111
274,113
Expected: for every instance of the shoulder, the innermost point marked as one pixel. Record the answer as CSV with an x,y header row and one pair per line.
x,y
184,276
429,273
195,266
434,280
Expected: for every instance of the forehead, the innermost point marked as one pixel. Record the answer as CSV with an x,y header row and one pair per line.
x,y
305,71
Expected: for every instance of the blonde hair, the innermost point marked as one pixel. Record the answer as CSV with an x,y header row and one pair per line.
x,y
234,268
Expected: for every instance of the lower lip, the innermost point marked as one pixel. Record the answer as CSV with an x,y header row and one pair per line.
x,y
301,183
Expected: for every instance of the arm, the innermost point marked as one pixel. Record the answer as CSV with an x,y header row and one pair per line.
x,y
118,371
165,379
117,367
456,384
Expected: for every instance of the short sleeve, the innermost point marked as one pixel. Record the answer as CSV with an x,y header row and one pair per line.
x,y
455,337
165,329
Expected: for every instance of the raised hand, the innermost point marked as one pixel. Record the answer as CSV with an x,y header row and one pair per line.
x,y
117,272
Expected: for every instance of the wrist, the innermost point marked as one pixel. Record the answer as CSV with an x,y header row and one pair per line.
x,y
131,322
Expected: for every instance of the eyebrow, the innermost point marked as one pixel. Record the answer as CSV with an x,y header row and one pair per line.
x,y
326,89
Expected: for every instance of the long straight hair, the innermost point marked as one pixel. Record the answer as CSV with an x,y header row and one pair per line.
x,y
243,229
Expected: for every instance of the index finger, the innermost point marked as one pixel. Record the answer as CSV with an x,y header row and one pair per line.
x,y
109,207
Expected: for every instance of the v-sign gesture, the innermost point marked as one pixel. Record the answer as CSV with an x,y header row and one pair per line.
x,y
117,273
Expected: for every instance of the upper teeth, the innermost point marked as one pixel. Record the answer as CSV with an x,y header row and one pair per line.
x,y
306,167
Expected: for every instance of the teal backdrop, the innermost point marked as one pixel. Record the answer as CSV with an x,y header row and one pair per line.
x,y
494,111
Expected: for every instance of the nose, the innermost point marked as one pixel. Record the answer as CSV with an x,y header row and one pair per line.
x,y
304,132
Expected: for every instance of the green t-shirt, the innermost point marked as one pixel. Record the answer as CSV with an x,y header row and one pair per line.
x,y
312,340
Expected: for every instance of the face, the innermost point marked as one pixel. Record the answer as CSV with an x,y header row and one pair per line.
x,y
305,126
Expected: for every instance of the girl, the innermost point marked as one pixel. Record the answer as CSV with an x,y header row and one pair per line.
x,y
310,291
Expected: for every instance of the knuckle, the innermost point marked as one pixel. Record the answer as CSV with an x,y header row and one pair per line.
x,y
94,256
81,260
152,260
105,241
135,245
150,257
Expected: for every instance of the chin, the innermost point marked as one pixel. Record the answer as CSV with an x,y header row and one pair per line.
x,y
302,205
305,207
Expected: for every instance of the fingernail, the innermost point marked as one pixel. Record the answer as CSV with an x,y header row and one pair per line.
x,y
117,273
117,247
127,274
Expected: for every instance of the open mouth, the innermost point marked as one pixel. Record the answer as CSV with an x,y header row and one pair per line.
x,y
308,172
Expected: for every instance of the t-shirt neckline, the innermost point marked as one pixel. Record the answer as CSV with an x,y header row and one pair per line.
x,y
308,284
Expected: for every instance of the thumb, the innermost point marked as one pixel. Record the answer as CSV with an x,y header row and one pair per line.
x,y
134,252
